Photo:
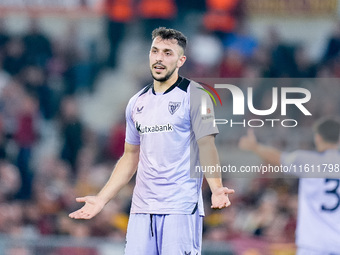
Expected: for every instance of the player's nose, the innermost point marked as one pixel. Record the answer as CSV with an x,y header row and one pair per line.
x,y
159,57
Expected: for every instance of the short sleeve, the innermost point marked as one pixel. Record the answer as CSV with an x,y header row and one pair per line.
x,y
202,122
131,133
294,160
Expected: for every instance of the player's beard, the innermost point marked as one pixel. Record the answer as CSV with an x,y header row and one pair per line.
x,y
165,77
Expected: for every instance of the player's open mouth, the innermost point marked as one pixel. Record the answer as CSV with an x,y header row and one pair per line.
x,y
159,67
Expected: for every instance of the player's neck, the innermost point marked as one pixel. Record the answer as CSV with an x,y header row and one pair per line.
x,y
327,146
161,87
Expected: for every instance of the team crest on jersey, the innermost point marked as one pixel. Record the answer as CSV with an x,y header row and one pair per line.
x,y
173,107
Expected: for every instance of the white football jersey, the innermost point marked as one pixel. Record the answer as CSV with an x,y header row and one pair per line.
x,y
318,223
167,126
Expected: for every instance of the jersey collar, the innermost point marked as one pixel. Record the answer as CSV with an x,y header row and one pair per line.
x,y
171,87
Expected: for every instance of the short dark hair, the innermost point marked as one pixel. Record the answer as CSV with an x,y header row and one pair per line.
x,y
328,129
168,34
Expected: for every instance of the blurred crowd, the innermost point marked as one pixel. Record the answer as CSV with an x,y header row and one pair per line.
x,y
40,80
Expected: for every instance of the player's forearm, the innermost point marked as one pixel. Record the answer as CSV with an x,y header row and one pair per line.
x,y
269,154
209,157
121,175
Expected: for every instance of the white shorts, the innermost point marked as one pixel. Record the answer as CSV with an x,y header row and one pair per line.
x,y
154,234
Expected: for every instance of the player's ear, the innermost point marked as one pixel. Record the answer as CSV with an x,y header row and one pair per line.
x,y
181,61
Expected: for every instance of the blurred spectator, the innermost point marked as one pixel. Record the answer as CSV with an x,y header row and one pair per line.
x,y
255,190
48,204
25,137
55,76
184,7
79,62
222,16
11,100
18,251
304,66
3,140
72,131
100,226
333,46
118,14
14,59
4,76
35,84
4,37
81,74
205,52
156,13
233,65
241,41
12,218
187,7
57,65
76,250
37,44
78,231
282,62
261,59
10,182
116,141
70,43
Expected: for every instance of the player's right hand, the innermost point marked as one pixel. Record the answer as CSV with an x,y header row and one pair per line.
x,y
93,205
248,142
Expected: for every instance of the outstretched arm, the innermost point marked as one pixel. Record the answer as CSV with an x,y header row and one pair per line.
x,y
269,154
209,157
121,175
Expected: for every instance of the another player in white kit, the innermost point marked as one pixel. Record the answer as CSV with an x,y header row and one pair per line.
x,y
165,134
318,223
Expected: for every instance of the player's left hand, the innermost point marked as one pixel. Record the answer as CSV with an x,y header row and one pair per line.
x,y
220,199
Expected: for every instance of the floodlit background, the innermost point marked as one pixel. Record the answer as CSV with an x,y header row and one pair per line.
x,y
67,70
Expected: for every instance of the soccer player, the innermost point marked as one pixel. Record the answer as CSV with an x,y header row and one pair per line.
x,y
166,134
318,223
